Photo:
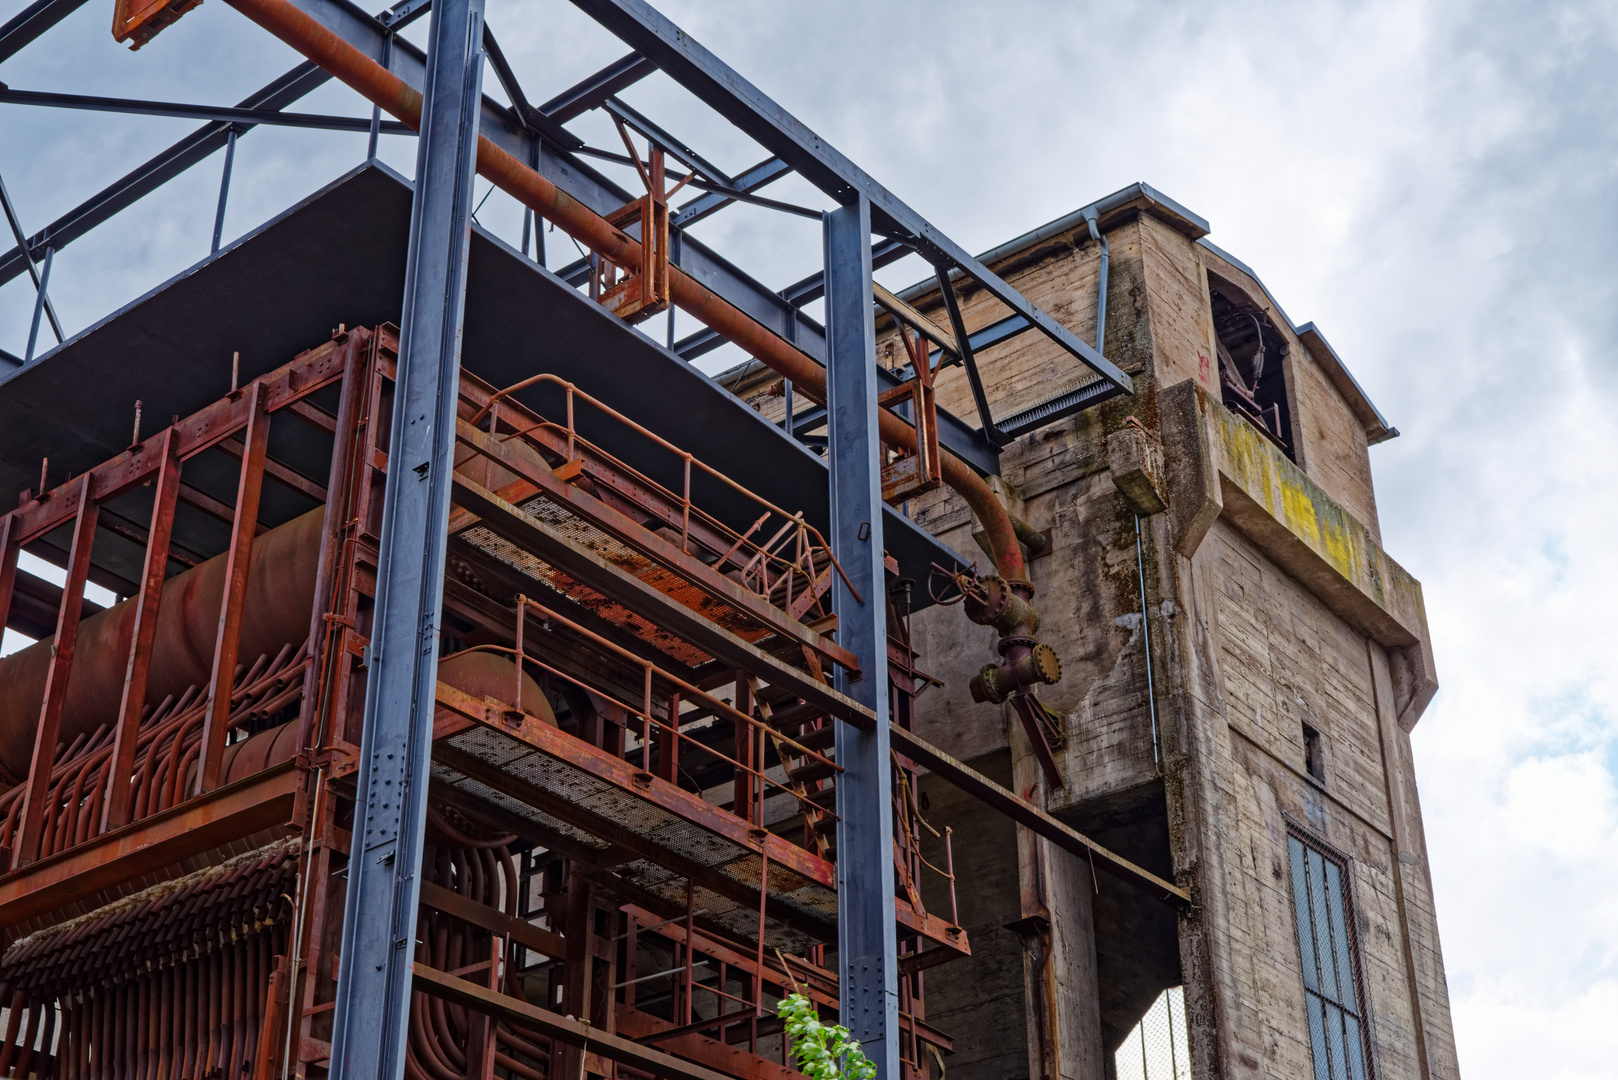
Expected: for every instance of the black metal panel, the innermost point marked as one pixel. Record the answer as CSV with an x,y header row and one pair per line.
x,y
338,257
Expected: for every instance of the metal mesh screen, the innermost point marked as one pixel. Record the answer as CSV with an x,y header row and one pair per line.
x,y
1157,1048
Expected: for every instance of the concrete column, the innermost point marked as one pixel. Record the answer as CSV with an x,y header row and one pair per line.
x,y
1059,948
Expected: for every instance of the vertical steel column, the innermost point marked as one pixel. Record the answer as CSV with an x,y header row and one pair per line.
x,y
379,917
866,945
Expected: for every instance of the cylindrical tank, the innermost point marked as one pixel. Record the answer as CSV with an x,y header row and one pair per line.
x,y
278,606
478,673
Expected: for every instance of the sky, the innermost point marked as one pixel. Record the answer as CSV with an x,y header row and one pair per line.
x,y
1433,182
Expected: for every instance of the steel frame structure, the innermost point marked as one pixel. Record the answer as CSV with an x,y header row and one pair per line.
x,y
352,796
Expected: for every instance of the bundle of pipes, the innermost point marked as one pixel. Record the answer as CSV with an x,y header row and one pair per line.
x,y
180,983
170,983
1020,670
166,750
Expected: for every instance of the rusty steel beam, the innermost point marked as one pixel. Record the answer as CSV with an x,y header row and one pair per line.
x,y
554,743
279,472
647,1030
31,829
241,809
487,918
662,610
10,548
563,1029
625,837
228,643
116,812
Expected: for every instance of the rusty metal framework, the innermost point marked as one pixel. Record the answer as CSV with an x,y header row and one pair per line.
x,y
635,830
652,709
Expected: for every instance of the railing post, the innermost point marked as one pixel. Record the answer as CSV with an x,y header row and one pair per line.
x,y
375,965
227,645
867,944
116,812
31,832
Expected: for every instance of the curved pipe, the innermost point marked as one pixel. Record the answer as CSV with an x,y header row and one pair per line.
x,y
395,96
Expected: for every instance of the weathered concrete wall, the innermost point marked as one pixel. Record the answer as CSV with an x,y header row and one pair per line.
x,y
979,1001
1276,657
1270,604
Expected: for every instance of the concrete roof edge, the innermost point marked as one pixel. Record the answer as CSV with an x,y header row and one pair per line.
x,y
1377,429
1137,196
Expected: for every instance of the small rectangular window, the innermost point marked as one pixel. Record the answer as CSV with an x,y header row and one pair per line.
x,y
1330,963
1314,754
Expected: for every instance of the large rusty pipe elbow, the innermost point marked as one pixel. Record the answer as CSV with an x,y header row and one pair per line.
x,y
395,96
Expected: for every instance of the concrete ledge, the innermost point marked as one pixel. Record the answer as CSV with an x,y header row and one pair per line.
x,y
1221,467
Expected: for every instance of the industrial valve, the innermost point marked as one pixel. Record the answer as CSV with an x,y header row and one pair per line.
x,y
1025,663
1006,606
995,683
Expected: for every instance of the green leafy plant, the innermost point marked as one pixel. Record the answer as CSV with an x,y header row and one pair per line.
x,y
823,1053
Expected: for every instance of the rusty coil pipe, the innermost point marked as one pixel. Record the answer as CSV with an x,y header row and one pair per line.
x,y
396,97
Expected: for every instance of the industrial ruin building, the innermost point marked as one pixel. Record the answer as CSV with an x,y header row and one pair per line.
x,y
1006,664
1230,499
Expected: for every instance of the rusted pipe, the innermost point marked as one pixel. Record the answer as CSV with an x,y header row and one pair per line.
x,y
398,98
279,602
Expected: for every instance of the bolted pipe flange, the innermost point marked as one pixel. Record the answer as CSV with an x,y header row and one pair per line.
x,y
988,685
994,683
1005,605
1044,665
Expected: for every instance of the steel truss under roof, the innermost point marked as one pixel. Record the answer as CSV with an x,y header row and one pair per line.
x,y
537,134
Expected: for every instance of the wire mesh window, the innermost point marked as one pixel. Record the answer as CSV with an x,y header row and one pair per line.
x,y
1330,964
1157,1049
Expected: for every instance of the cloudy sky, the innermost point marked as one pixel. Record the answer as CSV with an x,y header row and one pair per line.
x,y
1434,183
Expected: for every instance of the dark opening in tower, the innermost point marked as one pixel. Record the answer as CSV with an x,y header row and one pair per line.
x,y
1252,376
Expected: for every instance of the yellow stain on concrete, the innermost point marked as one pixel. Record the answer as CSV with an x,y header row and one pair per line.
x,y
1297,502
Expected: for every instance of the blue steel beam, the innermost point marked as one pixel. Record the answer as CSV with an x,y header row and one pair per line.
x,y
384,870
236,116
33,21
867,946
159,170
654,36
